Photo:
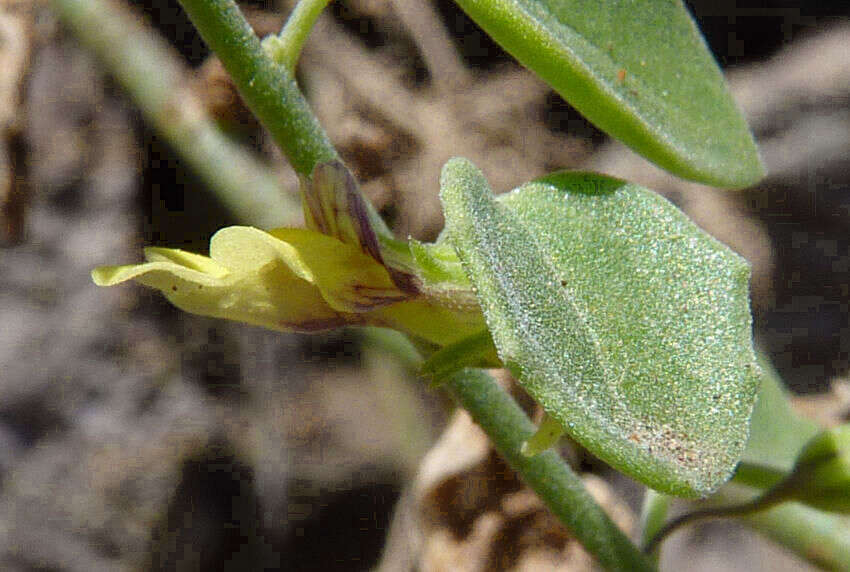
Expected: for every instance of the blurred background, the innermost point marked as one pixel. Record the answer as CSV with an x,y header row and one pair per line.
x,y
136,437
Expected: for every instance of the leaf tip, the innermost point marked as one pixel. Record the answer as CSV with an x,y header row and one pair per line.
x,y
463,187
744,170
456,173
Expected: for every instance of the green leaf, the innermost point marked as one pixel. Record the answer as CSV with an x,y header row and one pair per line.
x,y
777,434
640,71
812,466
821,476
627,323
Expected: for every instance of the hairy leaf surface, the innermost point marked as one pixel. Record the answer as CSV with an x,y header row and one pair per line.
x,y
626,322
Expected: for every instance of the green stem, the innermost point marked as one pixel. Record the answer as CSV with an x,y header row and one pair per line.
x,y
816,536
286,47
508,427
267,88
547,474
155,81
391,342
653,515
819,537
762,502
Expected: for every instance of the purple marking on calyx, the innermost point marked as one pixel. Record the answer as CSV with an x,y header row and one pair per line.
x,y
312,203
358,211
345,198
404,281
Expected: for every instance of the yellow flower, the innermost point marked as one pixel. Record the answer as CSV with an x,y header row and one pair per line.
x,y
305,280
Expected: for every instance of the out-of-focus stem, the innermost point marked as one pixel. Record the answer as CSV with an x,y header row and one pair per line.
x,y
653,515
156,83
752,506
819,537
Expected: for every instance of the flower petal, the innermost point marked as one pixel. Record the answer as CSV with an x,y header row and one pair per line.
x,y
348,279
267,293
286,279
